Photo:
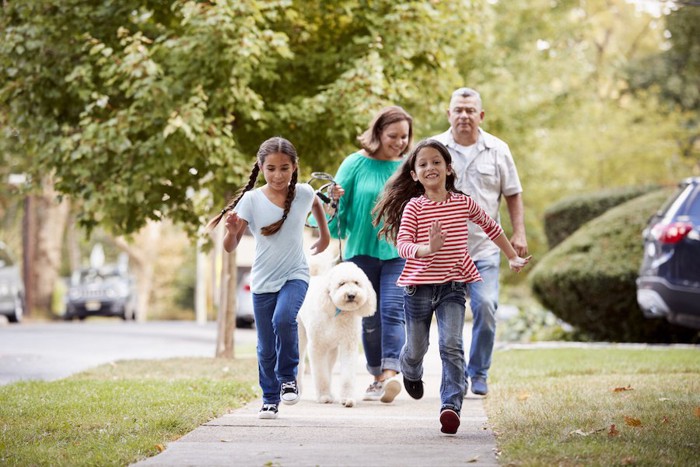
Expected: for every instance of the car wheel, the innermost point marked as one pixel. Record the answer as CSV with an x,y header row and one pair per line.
x,y
18,312
82,317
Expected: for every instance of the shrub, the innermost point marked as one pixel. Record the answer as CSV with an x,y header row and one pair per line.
x,y
589,279
566,216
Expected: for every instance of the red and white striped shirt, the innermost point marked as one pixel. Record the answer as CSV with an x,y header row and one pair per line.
x,y
452,262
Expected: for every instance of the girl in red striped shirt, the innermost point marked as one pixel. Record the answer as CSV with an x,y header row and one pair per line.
x,y
426,216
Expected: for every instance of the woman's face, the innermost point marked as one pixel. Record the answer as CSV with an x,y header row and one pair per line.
x,y
393,140
277,170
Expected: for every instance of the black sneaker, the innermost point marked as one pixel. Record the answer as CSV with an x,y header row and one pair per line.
x,y
268,411
289,393
413,388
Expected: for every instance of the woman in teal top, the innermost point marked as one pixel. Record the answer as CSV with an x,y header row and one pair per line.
x,y
362,175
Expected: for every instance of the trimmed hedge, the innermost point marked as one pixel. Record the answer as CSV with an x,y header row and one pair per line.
x,y
566,216
589,279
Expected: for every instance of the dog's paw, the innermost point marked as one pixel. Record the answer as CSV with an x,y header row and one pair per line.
x,y
348,402
325,399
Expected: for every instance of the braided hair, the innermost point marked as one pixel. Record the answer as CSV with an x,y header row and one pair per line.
x,y
273,145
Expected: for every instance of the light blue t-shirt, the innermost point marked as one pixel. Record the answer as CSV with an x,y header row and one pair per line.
x,y
279,257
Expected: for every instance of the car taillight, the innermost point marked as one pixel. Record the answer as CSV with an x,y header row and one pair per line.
x,y
671,233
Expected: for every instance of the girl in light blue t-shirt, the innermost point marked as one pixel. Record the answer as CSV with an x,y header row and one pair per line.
x,y
276,213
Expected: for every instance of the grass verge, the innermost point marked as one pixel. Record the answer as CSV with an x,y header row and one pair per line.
x,y
596,406
119,413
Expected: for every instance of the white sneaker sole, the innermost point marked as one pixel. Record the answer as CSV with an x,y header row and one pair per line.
x,y
291,401
392,388
267,415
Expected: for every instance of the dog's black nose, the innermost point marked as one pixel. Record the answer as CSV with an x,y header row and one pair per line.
x,y
351,296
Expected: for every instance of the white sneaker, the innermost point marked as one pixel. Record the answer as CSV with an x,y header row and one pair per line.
x,y
268,411
392,388
374,391
289,393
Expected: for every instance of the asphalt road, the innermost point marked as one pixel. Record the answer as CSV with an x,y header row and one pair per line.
x,y
50,351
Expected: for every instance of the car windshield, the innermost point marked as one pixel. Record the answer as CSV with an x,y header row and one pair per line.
x,y
693,205
88,276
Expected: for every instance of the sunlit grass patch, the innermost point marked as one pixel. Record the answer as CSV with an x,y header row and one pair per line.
x,y
599,406
118,413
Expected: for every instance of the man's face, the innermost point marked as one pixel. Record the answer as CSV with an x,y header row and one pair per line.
x,y
465,116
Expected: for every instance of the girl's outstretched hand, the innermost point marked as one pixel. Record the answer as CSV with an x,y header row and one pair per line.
x,y
436,236
320,245
517,263
233,222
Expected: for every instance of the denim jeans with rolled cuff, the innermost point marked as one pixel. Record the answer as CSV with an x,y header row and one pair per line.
x,y
278,336
383,334
448,302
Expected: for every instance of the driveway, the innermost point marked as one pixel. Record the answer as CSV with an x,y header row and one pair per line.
x,y
54,350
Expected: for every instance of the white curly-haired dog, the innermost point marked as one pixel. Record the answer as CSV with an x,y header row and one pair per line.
x,y
329,326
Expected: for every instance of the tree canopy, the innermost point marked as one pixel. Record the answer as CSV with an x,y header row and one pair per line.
x,y
151,110
146,110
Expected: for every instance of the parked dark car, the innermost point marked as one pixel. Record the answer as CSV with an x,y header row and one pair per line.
x,y
669,278
11,287
105,291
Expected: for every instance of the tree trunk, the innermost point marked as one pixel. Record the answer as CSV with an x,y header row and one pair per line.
x,y
226,316
143,253
49,223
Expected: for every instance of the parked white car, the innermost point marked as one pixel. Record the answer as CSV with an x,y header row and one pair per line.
x,y
11,287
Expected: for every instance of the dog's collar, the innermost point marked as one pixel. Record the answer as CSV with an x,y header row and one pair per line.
x,y
337,311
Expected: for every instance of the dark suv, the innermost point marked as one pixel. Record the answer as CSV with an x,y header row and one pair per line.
x,y
669,279
103,291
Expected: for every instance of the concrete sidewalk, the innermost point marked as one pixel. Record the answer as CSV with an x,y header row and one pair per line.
x,y
403,433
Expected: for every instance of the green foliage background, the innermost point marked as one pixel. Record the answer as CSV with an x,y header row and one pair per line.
x,y
154,110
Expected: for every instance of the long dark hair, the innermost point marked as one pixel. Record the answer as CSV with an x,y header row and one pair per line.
x,y
401,187
273,145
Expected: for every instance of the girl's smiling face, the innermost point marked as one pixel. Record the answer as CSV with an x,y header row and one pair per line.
x,y
430,169
277,170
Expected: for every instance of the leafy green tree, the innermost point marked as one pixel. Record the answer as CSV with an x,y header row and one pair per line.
x,y
136,107
674,74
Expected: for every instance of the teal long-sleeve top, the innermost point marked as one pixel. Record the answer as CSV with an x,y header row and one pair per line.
x,y
363,179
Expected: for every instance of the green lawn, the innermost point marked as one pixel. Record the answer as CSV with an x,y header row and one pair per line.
x,y
570,406
596,406
119,413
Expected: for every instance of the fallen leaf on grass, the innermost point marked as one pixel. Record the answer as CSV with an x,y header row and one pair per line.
x,y
621,389
613,431
697,412
631,421
664,420
585,433
628,460
523,396
160,447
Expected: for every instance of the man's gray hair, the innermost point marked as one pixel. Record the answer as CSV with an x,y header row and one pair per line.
x,y
466,92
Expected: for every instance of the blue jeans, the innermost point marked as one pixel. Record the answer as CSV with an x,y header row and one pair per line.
x,y
448,302
484,302
278,336
383,333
